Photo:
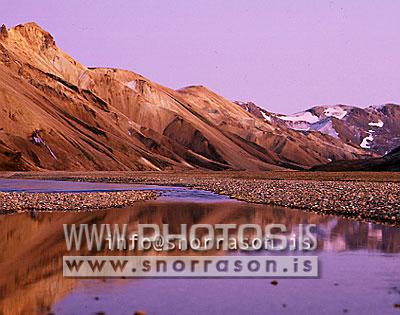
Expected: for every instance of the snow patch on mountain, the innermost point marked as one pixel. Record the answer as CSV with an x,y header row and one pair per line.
x,y
366,143
302,116
335,111
378,124
266,117
325,126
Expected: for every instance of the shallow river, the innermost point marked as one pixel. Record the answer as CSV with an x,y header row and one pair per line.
x,y
359,262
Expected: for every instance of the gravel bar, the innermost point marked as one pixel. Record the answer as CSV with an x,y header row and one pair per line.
x,y
370,197
19,202
360,199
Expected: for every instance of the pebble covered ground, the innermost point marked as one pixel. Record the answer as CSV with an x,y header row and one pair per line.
x,y
365,201
373,197
376,202
18,202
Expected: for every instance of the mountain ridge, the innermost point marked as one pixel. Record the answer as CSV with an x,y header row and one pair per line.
x,y
373,128
388,163
59,114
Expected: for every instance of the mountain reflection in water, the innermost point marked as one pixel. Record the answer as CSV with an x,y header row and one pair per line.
x,y
32,245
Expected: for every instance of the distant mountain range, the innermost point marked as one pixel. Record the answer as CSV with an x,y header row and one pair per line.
x,y
375,128
58,114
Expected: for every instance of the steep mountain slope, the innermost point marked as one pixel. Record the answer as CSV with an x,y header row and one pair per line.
x,y
58,114
375,128
282,144
389,163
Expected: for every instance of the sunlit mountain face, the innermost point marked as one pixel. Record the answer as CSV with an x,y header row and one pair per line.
x,y
61,115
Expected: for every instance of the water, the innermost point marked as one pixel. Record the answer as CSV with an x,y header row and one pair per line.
x,y
359,263
56,186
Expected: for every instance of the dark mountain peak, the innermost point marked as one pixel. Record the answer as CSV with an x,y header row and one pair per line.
x,y
3,32
395,151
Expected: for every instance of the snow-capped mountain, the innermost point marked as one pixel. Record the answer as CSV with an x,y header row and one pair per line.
x,y
375,128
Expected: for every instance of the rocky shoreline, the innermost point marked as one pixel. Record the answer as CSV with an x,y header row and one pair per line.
x,y
356,196
363,201
378,203
12,202
364,197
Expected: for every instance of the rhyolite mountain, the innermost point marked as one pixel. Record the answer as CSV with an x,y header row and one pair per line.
x,y
375,128
58,114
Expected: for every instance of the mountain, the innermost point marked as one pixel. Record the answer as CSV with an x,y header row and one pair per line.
x,y
58,114
389,163
375,128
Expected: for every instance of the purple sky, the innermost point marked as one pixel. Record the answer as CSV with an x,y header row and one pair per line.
x,y
284,55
